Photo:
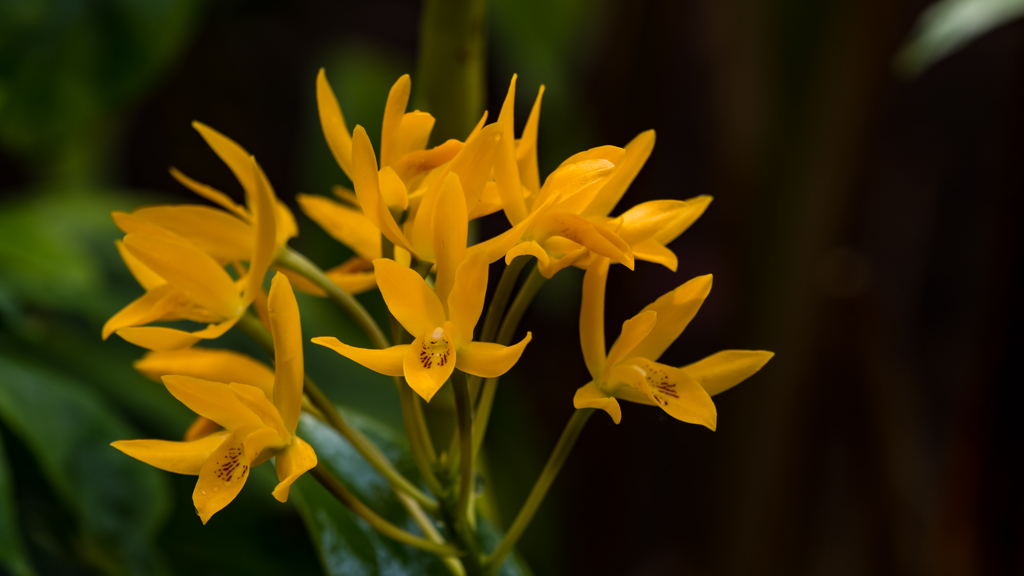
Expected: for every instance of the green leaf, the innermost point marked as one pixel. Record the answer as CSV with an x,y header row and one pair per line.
x,y
119,504
948,26
347,545
12,550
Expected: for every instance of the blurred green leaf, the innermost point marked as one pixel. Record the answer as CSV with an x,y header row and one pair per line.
x,y
65,64
347,545
12,550
948,26
119,503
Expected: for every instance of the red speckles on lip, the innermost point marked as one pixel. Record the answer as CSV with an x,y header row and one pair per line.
x,y
435,350
232,466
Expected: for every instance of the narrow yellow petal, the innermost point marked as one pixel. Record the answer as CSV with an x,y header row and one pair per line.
x,y
633,332
506,171
364,175
595,237
489,360
201,427
451,229
675,310
262,444
177,457
158,338
387,361
466,300
222,475
677,393
292,462
554,266
637,152
212,194
590,396
409,298
526,153
333,123
420,162
130,224
697,207
188,269
651,251
366,180
429,362
216,232
152,306
350,227
592,317
208,364
413,134
645,220
394,110
214,400
393,189
577,183
288,363
723,370
144,276
503,243
265,246
530,248
474,162
254,399
236,157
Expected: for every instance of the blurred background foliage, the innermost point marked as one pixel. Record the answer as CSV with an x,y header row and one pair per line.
x,y
865,160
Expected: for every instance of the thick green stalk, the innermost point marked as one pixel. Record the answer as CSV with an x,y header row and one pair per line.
x,y
464,421
450,78
251,326
338,490
509,325
540,489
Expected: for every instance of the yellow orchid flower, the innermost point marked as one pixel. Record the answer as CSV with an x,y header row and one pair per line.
x,y
259,423
409,177
184,282
207,364
571,225
441,319
630,370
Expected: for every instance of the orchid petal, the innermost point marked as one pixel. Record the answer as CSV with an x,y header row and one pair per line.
x,y
387,361
177,457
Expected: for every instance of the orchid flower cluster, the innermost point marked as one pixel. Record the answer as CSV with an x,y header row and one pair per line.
x,y
406,220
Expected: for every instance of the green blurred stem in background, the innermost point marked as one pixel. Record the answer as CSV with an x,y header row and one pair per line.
x,y
540,489
338,490
450,73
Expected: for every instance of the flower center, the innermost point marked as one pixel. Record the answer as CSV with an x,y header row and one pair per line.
x,y
434,349
659,383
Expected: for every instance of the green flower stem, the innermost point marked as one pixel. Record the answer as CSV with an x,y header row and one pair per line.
x,y
426,524
450,77
527,292
252,327
464,421
338,490
540,489
292,260
496,310
416,436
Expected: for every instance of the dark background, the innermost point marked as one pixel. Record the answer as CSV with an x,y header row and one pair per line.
x,y
864,228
